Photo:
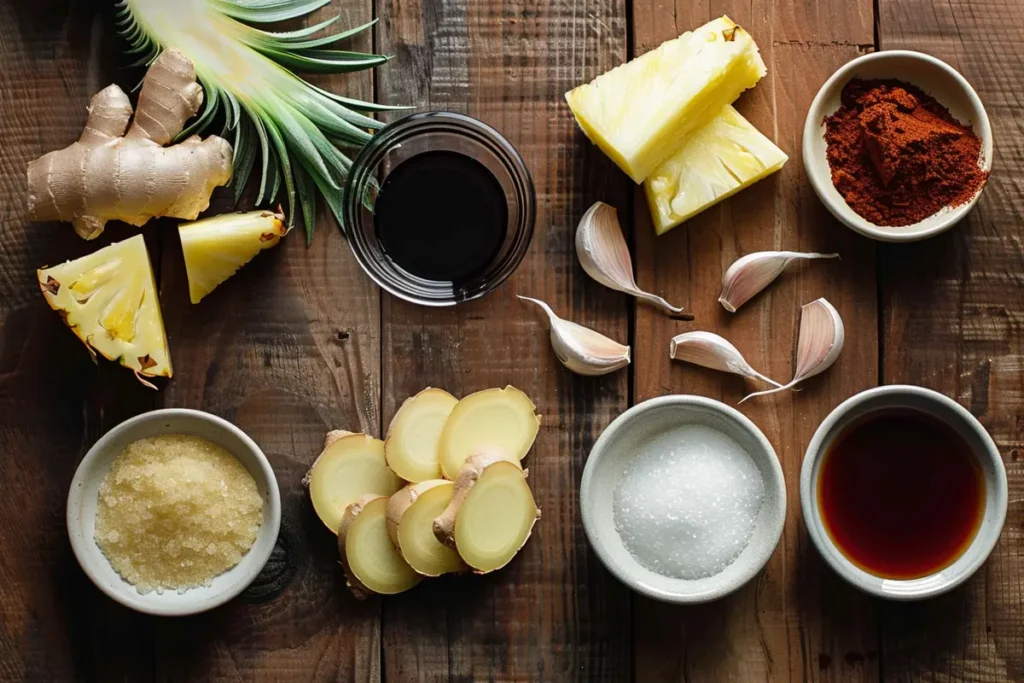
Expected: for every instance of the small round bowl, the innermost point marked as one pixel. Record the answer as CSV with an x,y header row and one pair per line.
x,y
984,449
625,437
81,512
429,132
931,75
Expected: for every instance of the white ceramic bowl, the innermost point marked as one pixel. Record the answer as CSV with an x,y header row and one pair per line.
x,y
81,512
931,75
984,449
624,438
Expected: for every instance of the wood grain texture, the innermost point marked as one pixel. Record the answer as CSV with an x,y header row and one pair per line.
x,y
954,307
796,620
54,403
554,613
287,349
299,342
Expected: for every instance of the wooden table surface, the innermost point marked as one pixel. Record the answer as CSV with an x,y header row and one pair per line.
x,y
300,342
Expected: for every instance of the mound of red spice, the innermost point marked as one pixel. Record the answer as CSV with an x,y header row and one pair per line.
x,y
897,156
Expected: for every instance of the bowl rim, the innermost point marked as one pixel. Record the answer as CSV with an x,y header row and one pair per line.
x,y
470,126
765,452
83,547
901,589
812,129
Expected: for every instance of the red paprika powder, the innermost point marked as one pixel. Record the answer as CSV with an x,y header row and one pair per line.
x,y
897,156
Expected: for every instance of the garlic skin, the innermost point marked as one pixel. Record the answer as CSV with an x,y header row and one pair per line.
x,y
581,349
750,274
602,251
821,339
712,351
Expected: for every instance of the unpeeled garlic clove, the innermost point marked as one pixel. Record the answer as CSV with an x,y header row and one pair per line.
x,y
712,351
603,253
821,339
581,349
750,274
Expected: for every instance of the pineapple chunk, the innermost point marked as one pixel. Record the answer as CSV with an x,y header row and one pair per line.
x,y
215,248
715,162
640,112
109,300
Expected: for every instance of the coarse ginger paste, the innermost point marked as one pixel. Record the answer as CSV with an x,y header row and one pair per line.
x,y
175,511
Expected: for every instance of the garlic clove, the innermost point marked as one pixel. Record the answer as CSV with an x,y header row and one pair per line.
x,y
821,339
822,335
581,349
715,352
602,251
750,274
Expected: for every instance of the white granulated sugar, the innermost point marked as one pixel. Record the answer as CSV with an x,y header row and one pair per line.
x,y
687,503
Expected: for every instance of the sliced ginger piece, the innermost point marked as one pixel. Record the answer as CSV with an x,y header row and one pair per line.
x,y
411,446
491,514
501,420
411,514
350,466
371,561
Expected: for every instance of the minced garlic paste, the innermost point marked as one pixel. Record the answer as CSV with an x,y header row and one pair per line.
x,y
175,511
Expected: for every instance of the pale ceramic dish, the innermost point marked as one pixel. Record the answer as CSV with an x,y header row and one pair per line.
x,y
81,511
624,438
931,75
984,449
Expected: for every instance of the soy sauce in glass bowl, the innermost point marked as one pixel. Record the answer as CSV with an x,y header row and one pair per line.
x,y
438,208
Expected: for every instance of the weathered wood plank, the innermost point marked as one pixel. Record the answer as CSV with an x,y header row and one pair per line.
x,y
553,614
796,621
54,403
287,349
953,311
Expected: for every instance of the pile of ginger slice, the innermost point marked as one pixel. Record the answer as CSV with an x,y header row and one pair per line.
x,y
443,493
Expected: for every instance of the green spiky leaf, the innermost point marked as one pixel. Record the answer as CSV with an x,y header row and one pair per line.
x,y
295,130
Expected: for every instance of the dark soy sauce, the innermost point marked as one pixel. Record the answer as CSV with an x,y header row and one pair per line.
x,y
441,216
901,494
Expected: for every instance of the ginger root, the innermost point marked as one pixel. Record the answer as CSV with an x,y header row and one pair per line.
x,y
110,174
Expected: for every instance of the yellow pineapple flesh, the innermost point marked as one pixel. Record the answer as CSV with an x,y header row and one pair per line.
x,y
715,162
215,248
109,300
641,111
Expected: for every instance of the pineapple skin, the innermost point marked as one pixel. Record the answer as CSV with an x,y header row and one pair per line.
x,y
139,341
725,156
640,112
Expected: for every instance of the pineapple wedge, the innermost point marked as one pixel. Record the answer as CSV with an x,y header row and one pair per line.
x,y
715,162
215,248
109,300
640,112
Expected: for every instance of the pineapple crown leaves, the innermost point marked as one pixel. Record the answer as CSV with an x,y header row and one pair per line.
x,y
295,130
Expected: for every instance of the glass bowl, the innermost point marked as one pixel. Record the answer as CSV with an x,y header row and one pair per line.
x,y
427,132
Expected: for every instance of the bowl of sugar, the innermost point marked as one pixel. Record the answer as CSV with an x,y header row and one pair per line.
x,y
683,499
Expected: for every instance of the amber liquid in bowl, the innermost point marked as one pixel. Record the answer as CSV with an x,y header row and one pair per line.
x,y
901,494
